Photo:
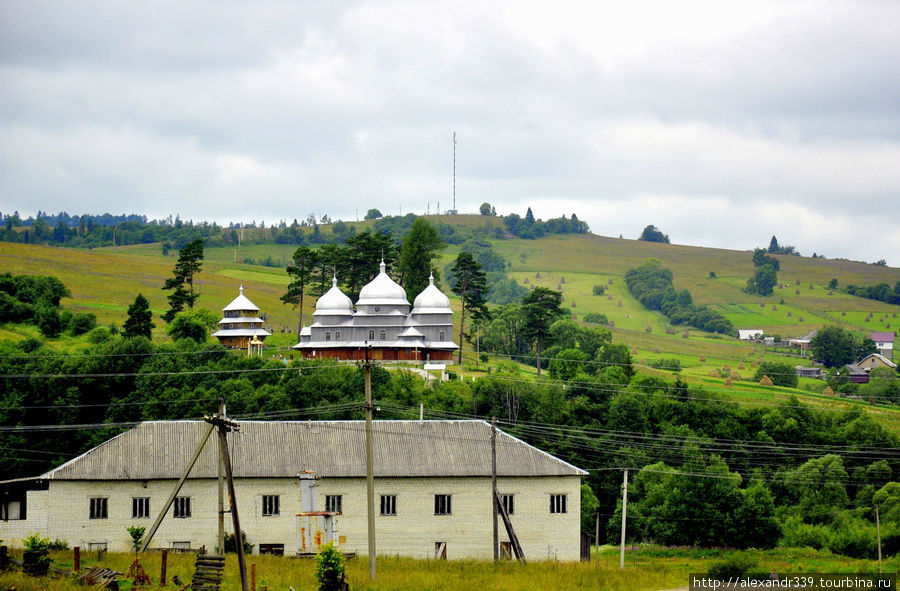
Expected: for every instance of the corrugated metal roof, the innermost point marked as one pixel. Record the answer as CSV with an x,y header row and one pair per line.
x,y
162,449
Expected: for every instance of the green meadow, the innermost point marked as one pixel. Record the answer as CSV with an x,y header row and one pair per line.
x,y
647,568
105,281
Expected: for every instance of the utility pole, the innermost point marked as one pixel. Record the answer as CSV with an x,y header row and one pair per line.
x,y
221,477
878,531
370,466
624,511
597,536
224,425
494,493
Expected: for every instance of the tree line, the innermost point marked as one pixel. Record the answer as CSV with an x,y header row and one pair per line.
x,y
651,284
705,471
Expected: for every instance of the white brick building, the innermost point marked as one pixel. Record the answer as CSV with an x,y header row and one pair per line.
x,y
432,490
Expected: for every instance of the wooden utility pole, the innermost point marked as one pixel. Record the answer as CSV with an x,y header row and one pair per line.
x,y
878,531
624,511
370,466
494,492
224,425
221,477
597,536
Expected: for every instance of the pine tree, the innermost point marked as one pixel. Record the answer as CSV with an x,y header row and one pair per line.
x,y
540,309
140,319
420,247
188,265
773,246
529,216
301,272
471,287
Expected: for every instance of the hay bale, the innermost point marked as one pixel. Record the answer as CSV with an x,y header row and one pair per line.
x,y
648,330
741,365
620,304
634,350
573,305
762,304
714,373
828,391
766,381
774,308
612,324
800,319
728,383
610,281
562,279
702,358
537,275
734,376
796,292
789,314
526,281
685,335
609,297
844,313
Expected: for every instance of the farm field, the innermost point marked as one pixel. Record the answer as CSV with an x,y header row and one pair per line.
x,y
647,569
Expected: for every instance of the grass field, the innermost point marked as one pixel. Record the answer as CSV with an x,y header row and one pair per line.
x,y
648,568
105,281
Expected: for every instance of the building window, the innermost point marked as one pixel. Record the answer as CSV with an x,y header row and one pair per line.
x,y
12,510
270,505
440,550
96,546
388,504
557,503
442,505
371,335
333,504
337,335
140,507
99,508
182,545
182,507
508,504
327,336
276,549
443,334
381,335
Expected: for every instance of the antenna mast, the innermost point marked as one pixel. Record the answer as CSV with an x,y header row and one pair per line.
x,y
454,172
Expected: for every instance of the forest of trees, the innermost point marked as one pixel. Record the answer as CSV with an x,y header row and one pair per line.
x,y
768,474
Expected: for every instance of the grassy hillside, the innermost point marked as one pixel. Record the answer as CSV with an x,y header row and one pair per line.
x,y
105,281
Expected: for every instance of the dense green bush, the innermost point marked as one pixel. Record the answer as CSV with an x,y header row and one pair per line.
x,y
781,374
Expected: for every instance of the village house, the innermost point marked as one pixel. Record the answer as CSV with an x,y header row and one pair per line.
x,y
382,323
884,342
241,324
874,361
301,484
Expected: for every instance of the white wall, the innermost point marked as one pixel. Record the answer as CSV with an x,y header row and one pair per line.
x,y
63,512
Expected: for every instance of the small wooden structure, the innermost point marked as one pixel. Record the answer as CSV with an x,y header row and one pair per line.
x,y
208,571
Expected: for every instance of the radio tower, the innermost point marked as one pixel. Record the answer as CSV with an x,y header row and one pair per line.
x,y
453,211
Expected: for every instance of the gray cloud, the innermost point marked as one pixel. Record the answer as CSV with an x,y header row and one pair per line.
x,y
783,116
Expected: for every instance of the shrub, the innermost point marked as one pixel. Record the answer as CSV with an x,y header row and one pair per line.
x,y
98,335
59,545
137,537
781,374
231,546
667,364
599,290
36,558
81,323
330,568
596,318
31,344
737,565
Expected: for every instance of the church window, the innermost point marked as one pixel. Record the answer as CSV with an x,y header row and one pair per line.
x,y
381,335
371,335
443,334
327,336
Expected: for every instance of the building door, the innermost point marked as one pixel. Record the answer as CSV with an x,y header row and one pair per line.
x,y
440,550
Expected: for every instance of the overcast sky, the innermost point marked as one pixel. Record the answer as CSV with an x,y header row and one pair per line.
x,y
721,123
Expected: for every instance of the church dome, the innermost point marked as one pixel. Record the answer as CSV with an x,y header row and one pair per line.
x,y
382,291
432,300
334,302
